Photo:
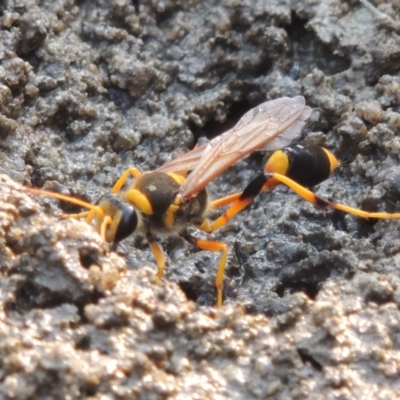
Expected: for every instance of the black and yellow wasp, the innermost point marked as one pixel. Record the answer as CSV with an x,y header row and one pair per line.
x,y
174,196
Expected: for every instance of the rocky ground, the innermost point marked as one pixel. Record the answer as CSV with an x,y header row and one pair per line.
x,y
312,298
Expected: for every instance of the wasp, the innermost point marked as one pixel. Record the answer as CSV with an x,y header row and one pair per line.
x,y
169,199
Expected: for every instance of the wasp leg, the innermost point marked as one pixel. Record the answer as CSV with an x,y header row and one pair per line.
x,y
158,254
107,220
102,223
211,245
307,164
224,201
320,202
122,179
242,200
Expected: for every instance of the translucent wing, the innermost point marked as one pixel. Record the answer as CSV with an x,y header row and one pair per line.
x,y
187,161
270,125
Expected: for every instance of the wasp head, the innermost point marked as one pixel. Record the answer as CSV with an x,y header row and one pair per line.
x,y
123,218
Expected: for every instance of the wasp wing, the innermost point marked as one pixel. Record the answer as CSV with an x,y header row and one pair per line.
x,y
190,160
187,161
270,125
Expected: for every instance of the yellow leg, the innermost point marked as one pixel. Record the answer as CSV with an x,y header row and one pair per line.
x,y
241,200
320,202
107,220
363,214
211,245
96,210
122,179
236,207
158,255
224,201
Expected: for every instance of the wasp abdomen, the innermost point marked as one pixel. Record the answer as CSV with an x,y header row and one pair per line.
x,y
310,165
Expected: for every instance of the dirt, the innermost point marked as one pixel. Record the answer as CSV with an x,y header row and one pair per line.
x,y
311,308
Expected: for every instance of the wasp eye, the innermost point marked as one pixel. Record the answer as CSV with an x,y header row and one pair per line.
x,y
127,224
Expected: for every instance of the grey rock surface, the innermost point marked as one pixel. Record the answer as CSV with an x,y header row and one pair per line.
x,y
312,298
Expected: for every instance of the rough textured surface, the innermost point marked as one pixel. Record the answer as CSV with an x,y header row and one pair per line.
x,y
312,298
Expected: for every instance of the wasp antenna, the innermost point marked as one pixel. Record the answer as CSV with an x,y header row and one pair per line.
x,y
62,197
